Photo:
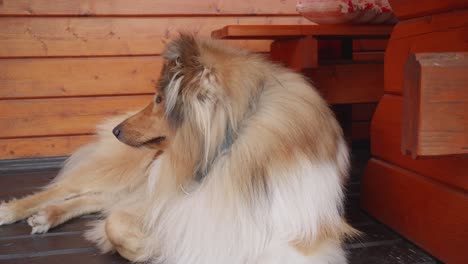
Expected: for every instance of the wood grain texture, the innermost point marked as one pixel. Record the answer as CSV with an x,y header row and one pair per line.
x,y
297,54
349,83
435,105
386,140
71,36
62,116
37,147
431,23
146,7
413,204
405,9
288,31
419,35
53,77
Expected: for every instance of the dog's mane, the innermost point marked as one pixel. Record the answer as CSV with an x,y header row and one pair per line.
x,y
213,92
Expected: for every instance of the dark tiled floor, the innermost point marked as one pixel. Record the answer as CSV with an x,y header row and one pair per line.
x,y
65,244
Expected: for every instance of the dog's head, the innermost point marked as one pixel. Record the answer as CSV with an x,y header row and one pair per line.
x,y
186,90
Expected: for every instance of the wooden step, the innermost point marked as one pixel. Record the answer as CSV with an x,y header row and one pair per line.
x,y
426,212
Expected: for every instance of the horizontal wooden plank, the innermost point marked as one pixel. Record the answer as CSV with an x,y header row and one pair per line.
x,y
62,116
288,31
19,185
405,9
146,7
386,141
22,229
349,83
435,104
11,248
418,35
387,253
71,36
432,23
52,77
399,49
52,146
390,192
57,257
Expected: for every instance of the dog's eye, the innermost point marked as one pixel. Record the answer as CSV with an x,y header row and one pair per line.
x,y
158,99
177,61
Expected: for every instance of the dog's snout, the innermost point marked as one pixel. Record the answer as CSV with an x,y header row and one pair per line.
x,y
116,131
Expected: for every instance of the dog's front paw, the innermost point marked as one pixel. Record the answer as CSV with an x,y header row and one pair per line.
x,y
7,214
39,222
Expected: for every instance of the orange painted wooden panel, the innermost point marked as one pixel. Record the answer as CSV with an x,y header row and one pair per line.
x,y
287,31
438,33
435,105
52,77
386,140
405,9
71,36
297,54
62,116
42,146
349,83
428,213
146,7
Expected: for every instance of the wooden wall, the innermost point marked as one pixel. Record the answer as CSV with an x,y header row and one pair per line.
x,y
66,65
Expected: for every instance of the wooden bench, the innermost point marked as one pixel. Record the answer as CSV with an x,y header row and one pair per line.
x,y
417,179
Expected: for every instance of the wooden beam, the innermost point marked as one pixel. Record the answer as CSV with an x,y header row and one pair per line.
x,y
425,211
386,129
435,113
54,77
349,83
36,147
107,36
146,7
289,31
417,36
62,116
405,9
297,54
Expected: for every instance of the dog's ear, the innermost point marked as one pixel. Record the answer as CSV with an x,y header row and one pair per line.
x,y
183,51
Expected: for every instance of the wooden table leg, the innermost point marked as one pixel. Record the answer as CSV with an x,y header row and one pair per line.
x,y
297,54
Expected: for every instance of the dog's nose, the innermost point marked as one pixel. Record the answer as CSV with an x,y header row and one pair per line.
x,y
116,131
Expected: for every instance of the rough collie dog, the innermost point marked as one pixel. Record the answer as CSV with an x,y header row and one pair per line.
x,y
252,171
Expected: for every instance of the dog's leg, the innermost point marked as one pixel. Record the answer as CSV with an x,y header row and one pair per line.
x,y
124,232
58,213
20,209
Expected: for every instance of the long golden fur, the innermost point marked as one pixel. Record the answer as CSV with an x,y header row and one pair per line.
x,y
252,169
